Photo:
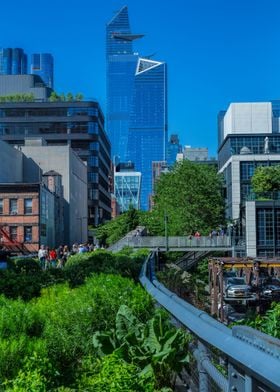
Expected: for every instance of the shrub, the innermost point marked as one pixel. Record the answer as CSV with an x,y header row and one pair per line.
x,y
112,373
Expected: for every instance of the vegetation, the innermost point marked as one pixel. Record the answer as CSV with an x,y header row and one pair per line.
x,y
20,97
117,228
69,97
268,323
266,179
198,206
97,330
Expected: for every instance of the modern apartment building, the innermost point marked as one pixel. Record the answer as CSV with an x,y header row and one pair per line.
x,y
13,61
249,137
42,65
136,102
79,125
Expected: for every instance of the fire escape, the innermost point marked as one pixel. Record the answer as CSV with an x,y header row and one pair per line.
x,y
10,244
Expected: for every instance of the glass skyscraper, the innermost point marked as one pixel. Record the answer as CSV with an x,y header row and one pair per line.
x,y
136,102
42,65
13,61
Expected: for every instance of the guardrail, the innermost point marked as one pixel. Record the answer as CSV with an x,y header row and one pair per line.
x,y
252,358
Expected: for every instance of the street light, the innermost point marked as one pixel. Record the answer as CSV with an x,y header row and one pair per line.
x,y
165,230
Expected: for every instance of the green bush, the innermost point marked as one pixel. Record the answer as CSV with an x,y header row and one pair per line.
x,y
113,374
25,265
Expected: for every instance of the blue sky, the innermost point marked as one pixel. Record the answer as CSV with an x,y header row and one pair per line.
x,y
218,51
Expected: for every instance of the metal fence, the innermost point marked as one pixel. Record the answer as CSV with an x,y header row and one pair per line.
x,y
240,359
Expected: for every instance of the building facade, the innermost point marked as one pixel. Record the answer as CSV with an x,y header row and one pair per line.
x,y
31,85
13,61
26,217
79,125
127,186
136,102
42,65
249,137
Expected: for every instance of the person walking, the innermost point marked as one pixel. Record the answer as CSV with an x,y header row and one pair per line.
x,y
42,256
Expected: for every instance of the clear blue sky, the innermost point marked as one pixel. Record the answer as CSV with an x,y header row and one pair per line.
x,y
218,51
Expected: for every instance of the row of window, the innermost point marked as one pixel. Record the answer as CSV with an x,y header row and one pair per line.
x,y
27,234
13,206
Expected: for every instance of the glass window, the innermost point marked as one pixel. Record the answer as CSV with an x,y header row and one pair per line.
x,y
28,206
27,233
1,206
13,233
13,206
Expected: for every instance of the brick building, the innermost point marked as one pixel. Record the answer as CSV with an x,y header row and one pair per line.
x,y
27,216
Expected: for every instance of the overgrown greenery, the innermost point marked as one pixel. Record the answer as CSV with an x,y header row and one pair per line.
x,y
117,228
266,179
268,323
55,342
191,197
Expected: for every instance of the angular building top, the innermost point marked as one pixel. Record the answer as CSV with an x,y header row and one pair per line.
x,y
119,36
13,61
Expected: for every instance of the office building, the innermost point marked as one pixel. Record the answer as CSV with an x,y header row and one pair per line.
x,y
173,148
42,65
79,125
127,186
13,61
249,137
136,102
196,154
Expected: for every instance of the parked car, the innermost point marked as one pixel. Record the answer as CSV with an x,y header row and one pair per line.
x,y
237,288
271,291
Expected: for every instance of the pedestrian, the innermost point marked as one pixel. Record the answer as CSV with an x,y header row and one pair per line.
x,y
42,256
52,258
59,253
66,254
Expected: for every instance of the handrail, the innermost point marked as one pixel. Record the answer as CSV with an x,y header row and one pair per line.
x,y
256,363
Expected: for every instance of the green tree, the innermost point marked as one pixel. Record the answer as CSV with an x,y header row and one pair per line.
x,y
266,179
54,97
79,97
69,97
190,195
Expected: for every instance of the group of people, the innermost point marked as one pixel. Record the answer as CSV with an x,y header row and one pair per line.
x,y
56,258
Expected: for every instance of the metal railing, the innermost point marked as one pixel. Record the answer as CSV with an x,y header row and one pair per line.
x,y
251,359
182,242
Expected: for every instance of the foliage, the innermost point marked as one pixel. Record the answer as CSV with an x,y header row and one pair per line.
x,y
176,279
191,197
55,97
266,179
117,228
154,345
59,325
113,374
269,323
32,377
20,97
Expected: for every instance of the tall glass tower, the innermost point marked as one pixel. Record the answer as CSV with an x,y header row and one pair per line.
x,y
13,61
136,102
42,65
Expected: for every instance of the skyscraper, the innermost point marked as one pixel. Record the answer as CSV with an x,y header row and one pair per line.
x,y
42,65
136,102
13,61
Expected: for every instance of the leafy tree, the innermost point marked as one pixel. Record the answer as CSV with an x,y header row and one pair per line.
x,y
266,179
69,97
190,197
79,97
54,97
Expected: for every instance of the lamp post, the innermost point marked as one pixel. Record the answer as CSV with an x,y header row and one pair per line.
x,y
165,230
